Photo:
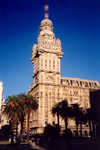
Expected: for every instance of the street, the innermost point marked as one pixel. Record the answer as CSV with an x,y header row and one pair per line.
x,y
77,144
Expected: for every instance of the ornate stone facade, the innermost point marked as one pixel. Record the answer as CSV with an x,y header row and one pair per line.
x,y
3,119
48,86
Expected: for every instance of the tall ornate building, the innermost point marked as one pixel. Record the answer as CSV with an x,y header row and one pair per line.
x,y
1,94
48,86
1,101
3,120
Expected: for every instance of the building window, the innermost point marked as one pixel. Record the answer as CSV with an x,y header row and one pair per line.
x,y
41,77
49,95
49,64
46,64
70,92
45,54
46,94
54,67
45,61
57,65
58,79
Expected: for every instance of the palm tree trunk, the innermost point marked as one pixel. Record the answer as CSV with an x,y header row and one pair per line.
x,y
12,132
77,130
28,119
77,127
81,128
66,123
90,128
16,130
93,129
21,132
58,118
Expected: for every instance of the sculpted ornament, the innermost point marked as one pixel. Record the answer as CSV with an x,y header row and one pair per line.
x,y
34,50
49,79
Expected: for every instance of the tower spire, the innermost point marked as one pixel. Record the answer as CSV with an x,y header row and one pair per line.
x,y
46,10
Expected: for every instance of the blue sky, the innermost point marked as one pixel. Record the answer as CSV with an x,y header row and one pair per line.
x,y
76,23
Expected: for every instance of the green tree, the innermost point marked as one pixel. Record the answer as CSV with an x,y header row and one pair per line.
x,y
22,112
77,114
81,118
27,104
65,112
91,117
56,110
10,109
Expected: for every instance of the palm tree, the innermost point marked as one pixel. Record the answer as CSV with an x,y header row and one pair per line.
x,y
56,110
10,109
22,112
27,104
94,122
31,104
91,117
81,118
77,115
65,112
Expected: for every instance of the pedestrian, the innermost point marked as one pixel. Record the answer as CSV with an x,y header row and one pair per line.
x,y
33,142
37,140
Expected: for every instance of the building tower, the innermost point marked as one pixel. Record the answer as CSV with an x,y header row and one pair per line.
x,y
3,119
46,57
1,94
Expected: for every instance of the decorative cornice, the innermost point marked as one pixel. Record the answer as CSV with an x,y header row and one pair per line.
x,y
76,82
46,71
59,53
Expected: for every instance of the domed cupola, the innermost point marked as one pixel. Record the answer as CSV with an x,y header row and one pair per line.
x,y
46,24
46,27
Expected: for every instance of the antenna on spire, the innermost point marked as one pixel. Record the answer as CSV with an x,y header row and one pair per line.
x,y
46,10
